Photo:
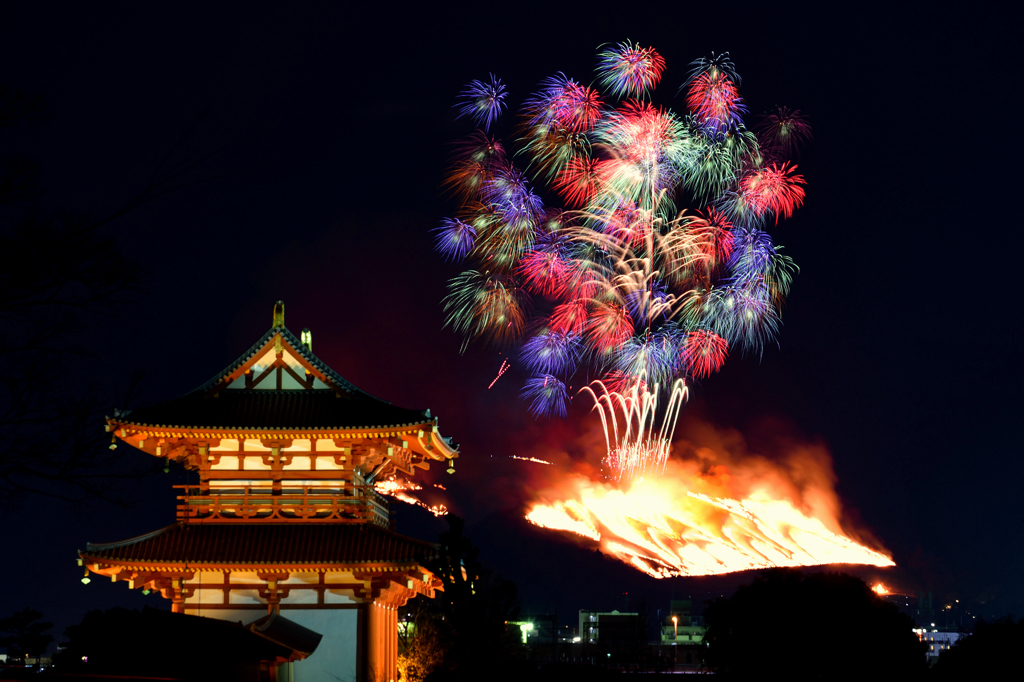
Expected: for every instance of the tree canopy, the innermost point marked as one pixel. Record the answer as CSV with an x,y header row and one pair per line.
x,y
25,634
987,654
461,634
824,626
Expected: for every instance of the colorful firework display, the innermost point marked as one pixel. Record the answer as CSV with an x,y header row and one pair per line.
x,y
579,247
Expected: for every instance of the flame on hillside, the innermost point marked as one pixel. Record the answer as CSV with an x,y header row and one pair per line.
x,y
398,489
709,512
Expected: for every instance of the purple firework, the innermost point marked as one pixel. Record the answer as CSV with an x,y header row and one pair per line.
x,y
547,395
752,254
482,101
512,197
551,352
455,238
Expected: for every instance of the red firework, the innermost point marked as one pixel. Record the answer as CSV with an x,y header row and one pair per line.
x,y
474,161
569,318
609,326
713,235
714,98
704,352
623,383
773,188
577,107
579,181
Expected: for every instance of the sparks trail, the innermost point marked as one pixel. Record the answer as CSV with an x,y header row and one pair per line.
x,y
531,459
640,447
501,370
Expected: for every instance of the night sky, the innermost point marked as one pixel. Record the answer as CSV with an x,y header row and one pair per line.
x,y
329,130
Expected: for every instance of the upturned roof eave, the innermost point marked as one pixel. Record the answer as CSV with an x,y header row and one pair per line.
x,y
121,422
383,565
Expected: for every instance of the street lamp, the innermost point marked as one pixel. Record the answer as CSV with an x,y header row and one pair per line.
x,y
675,640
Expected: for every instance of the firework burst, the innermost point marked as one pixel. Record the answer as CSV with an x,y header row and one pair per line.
x,y
578,248
483,101
783,133
628,70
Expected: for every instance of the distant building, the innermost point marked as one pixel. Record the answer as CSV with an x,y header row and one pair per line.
x,y
937,641
605,627
680,627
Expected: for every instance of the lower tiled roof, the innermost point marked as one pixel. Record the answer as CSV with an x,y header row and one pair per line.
x,y
265,544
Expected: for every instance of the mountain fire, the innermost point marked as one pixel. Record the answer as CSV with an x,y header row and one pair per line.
x,y
707,515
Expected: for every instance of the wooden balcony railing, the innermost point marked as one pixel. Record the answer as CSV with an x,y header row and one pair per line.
x,y
306,504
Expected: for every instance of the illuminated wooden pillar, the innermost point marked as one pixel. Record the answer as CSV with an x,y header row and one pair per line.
x,y
382,641
372,642
392,643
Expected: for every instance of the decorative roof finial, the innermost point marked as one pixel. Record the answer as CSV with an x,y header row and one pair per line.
x,y
279,315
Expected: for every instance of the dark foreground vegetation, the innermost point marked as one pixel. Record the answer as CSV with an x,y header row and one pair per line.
x,y
784,625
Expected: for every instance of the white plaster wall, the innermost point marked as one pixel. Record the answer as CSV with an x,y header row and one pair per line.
x,y
335,658
333,661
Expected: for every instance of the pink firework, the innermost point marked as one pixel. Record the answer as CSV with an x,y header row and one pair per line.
x,y
783,133
704,352
642,131
546,272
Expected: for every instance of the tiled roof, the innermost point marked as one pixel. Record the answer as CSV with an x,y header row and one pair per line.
x,y
270,409
266,544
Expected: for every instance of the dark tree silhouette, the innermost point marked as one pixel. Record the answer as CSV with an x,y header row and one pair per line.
x,y
25,634
62,273
462,633
825,626
991,653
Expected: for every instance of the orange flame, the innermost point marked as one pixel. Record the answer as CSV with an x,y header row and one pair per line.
x,y
397,488
671,518
880,589
686,523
